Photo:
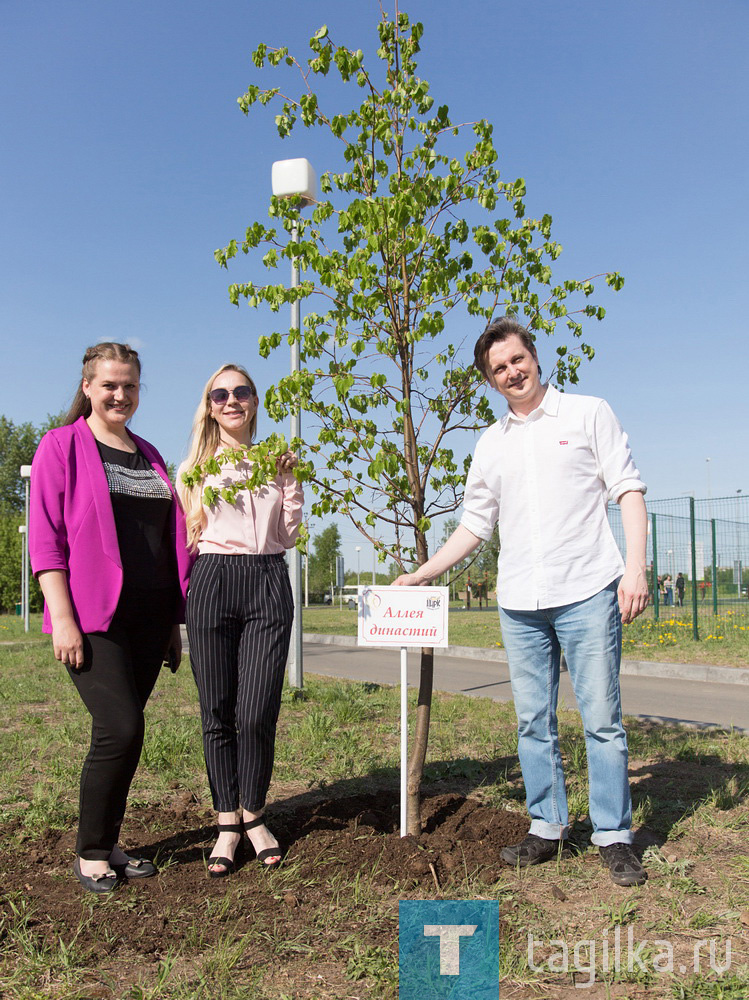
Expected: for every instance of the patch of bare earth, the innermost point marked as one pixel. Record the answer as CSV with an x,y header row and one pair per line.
x,y
346,869
328,843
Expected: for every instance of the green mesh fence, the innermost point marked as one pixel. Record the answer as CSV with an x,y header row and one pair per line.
x,y
698,558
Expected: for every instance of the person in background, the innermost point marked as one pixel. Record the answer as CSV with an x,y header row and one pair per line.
x,y
680,587
668,586
239,614
108,546
546,470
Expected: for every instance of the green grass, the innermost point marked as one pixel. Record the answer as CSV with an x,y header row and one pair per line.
x,y
724,639
690,787
12,628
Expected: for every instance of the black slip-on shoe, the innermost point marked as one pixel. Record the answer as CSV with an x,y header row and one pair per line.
x,y
136,868
95,883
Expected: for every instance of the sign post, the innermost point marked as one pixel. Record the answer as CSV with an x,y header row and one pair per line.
x,y
404,741
403,617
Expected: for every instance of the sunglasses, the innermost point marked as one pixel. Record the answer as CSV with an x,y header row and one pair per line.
x,y
242,394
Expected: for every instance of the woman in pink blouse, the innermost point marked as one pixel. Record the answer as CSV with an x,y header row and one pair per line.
x,y
239,615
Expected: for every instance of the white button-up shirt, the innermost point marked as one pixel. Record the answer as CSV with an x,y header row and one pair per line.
x,y
548,478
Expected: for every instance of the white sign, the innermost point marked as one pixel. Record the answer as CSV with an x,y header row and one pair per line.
x,y
403,616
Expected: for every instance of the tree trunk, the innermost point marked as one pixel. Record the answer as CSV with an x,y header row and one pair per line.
x,y
420,741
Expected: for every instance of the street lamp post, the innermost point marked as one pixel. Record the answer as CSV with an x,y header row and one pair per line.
x,y
358,565
25,597
22,533
295,178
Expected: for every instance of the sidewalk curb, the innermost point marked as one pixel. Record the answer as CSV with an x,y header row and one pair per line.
x,y
638,668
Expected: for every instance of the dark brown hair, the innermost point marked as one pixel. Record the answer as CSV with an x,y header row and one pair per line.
x,y
106,351
497,330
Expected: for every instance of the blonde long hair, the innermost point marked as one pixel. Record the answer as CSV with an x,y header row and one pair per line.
x,y
107,350
204,443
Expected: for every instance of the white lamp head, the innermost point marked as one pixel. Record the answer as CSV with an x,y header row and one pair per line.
x,y
290,177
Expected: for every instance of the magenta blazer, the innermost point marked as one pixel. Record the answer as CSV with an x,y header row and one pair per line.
x,y
71,524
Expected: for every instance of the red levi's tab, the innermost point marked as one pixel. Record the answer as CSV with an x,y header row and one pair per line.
x,y
564,442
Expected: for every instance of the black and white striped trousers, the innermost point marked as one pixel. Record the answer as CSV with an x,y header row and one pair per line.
x,y
239,615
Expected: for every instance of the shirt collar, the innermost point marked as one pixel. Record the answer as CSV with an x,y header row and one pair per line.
x,y
549,405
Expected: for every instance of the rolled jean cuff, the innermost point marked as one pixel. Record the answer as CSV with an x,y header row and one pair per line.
x,y
605,838
549,831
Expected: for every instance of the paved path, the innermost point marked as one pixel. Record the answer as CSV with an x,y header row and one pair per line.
x,y
694,695
671,699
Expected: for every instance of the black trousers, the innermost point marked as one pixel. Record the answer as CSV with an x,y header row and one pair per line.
x,y
119,671
239,616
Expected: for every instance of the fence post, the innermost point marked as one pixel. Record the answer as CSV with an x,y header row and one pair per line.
x,y
715,570
656,592
693,536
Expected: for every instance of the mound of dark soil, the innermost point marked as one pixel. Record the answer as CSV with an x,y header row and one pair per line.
x,y
328,842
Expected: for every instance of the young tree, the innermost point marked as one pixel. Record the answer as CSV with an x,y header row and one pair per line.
x,y
408,240
322,563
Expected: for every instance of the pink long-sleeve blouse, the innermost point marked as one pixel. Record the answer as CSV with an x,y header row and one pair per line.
x,y
265,521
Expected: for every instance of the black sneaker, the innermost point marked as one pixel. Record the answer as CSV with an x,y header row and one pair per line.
x,y
623,864
532,850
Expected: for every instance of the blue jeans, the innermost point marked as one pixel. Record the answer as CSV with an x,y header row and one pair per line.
x,y
590,632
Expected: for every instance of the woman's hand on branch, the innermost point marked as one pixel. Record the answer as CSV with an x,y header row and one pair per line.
x,y
287,462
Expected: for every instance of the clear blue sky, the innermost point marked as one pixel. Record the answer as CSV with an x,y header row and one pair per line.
x,y
126,162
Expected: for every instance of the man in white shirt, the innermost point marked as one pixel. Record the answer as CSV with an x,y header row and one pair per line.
x,y
546,471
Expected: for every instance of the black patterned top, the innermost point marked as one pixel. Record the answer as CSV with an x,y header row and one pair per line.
x,y
141,502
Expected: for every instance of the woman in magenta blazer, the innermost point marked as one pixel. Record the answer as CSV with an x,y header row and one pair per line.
x,y
108,545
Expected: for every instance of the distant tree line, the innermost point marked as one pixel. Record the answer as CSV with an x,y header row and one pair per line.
x,y
325,548
18,443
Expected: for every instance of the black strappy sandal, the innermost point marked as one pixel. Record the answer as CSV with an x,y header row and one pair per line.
x,y
228,863
268,852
